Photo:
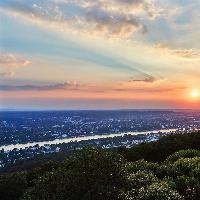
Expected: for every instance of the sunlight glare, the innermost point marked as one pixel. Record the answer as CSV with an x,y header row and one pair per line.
x,y
194,93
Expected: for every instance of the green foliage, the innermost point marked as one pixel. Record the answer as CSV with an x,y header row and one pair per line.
x,y
189,153
161,149
183,172
141,165
155,191
155,171
141,179
12,185
91,174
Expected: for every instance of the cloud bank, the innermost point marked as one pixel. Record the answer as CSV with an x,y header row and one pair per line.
x,y
113,18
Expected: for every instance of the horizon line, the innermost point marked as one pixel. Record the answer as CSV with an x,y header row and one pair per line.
x,y
117,109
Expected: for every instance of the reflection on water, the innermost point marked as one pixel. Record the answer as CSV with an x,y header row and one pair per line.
x,y
81,138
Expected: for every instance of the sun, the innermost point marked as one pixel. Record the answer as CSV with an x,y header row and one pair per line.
x,y
195,93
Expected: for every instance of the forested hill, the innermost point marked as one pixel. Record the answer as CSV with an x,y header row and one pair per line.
x,y
168,169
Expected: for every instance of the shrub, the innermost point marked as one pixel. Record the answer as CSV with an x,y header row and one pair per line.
x,y
189,153
142,165
141,179
156,191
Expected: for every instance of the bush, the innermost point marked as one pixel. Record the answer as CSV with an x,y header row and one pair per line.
x,y
189,153
156,191
142,165
141,179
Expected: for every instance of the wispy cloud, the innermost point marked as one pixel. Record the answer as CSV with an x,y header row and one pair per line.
x,y
6,74
165,89
148,79
184,53
187,53
10,60
59,86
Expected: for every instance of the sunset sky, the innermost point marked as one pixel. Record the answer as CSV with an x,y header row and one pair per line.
x,y
99,54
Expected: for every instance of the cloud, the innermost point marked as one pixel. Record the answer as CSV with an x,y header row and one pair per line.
x,y
59,86
187,53
148,79
6,74
113,18
184,53
164,89
10,60
118,6
121,26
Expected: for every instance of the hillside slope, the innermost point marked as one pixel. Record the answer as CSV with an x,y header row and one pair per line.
x,y
168,169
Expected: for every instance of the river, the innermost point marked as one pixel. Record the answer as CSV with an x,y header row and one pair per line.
x,y
81,138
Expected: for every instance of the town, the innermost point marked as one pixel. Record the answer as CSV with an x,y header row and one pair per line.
x,y
43,126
